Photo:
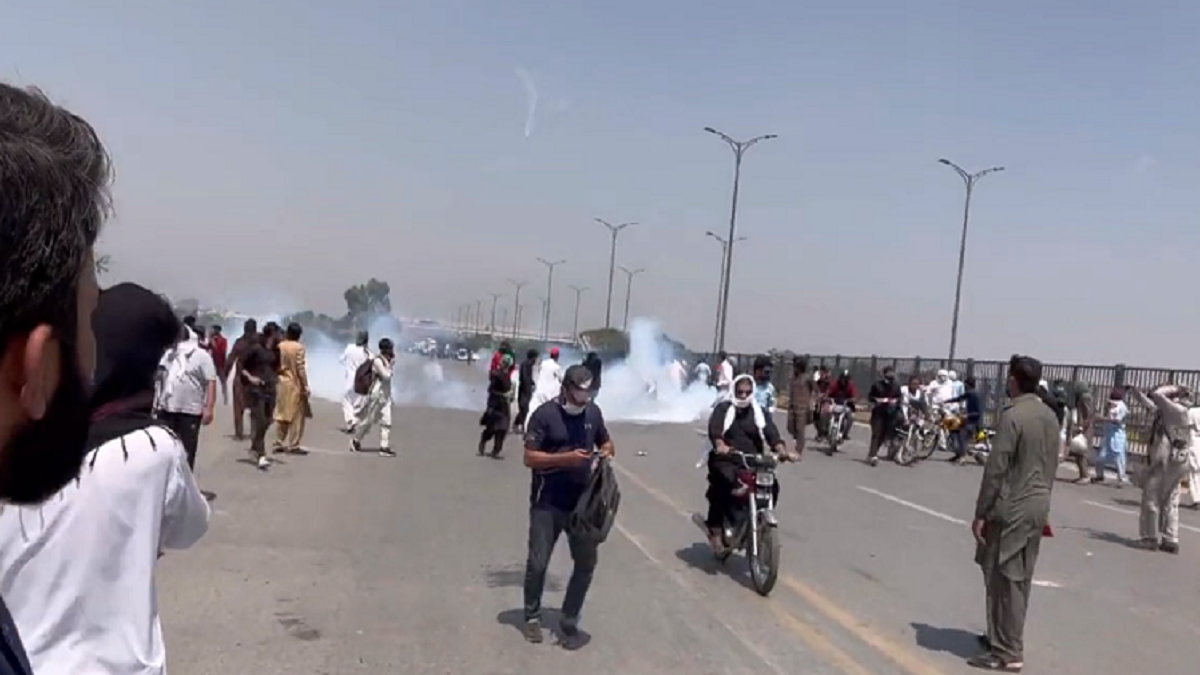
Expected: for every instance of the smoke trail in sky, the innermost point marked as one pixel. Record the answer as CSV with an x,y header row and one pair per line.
x,y
531,99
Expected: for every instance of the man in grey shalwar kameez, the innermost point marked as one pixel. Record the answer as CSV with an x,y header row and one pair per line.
x,y
1011,512
1172,454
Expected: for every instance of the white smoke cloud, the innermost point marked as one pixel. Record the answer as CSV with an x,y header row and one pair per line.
x,y
531,99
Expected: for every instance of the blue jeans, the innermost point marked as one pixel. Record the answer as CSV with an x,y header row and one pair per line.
x,y
1112,447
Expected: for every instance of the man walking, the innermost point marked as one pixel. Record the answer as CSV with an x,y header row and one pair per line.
x,y
800,402
237,357
525,383
186,391
355,355
218,346
1173,453
562,440
257,372
1012,509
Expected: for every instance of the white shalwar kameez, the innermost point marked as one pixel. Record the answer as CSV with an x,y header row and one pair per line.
x,y
549,383
376,406
352,358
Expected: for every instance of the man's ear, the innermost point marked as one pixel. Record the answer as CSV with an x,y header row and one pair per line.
x,y
33,370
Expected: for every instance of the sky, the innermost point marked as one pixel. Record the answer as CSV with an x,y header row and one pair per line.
x,y
279,152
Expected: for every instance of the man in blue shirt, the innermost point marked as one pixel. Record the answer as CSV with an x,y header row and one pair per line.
x,y
54,176
972,420
764,390
563,438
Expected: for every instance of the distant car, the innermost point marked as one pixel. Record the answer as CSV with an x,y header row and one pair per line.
x,y
463,355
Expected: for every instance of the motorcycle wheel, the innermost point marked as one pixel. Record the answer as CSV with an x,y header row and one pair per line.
x,y
764,562
924,447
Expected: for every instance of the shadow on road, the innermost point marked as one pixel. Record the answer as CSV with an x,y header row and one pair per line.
x,y
1135,503
513,576
700,556
551,619
1109,537
956,641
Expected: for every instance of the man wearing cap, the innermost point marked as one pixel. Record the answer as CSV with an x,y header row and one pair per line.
x,y
563,438
549,380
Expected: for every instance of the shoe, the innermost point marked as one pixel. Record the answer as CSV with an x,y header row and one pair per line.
x,y
1169,547
264,463
873,461
568,631
481,448
386,452
533,632
984,641
989,661
355,446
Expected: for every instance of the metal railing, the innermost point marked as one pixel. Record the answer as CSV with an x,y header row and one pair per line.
x,y
991,379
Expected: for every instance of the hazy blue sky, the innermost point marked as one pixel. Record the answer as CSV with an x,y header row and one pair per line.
x,y
287,149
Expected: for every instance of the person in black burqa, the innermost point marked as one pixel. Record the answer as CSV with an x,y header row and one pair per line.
x,y
525,384
498,413
563,438
594,365
885,412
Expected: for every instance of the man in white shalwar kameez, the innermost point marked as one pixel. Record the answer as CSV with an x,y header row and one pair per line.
x,y
354,356
549,381
376,406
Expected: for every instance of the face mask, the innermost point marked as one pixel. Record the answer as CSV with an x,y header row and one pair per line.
x,y
575,401
889,378
743,402
47,454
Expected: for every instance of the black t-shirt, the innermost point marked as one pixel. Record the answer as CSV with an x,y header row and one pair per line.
x,y
260,362
743,435
551,429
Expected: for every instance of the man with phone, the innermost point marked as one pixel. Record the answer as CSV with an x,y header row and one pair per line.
x,y
563,440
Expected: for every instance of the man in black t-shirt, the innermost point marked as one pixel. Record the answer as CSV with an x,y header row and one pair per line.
x,y
563,438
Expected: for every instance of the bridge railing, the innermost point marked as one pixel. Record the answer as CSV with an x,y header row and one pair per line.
x,y
991,380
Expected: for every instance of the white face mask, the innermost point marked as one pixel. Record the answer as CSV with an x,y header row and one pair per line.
x,y
743,402
573,409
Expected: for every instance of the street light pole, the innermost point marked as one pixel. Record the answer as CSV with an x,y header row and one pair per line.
x,y
969,180
492,327
629,275
478,316
612,265
739,150
541,330
549,293
720,285
517,304
578,295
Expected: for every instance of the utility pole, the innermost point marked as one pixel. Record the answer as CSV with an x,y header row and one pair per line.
x,y
720,285
517,320
549,293
517,303
503,316
629,275
579,291
739,150
612,265
969,180
492,327
541,329
478,317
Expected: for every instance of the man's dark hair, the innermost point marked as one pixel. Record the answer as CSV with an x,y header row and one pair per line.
x,y
532,354
362,339
54,177
294,331
889,369
721,356
216,329
250,326
385,345
761,362
190,321
969,383
800,364
1026,371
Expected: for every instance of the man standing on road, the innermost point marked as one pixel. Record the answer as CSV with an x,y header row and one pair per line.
x,y
885,409
549,380
1174,452
724,376
562,440
1011,512
54,175
799,402
218,346
237,355
525,375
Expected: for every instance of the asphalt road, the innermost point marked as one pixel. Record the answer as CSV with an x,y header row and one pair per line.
x,y
335,563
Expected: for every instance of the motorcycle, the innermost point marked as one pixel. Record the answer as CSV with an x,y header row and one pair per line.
x,y
837,420
751,525
981,445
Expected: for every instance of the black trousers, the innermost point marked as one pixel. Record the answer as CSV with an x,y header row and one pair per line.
x,y
261,404
522,408
187,428
495,436
546,525
883,427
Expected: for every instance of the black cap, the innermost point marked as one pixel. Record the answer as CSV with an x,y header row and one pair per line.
x,y
578,376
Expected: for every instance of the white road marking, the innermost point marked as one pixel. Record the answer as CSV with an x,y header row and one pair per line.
x,y
1046,584
1131,512
915,507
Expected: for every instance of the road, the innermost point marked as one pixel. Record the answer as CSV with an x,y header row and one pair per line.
x,y
335,563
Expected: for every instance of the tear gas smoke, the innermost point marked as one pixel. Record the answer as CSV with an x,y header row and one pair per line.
x,y
645,387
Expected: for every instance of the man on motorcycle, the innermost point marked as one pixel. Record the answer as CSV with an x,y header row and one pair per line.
x,y
764,390
840,392
737,424
972,420
885,401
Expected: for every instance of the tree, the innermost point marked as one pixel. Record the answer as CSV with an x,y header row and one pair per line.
x,y
102,264
371,298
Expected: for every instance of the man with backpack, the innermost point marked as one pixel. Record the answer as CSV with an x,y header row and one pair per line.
x,y
566,447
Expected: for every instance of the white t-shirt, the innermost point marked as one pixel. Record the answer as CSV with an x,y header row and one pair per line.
x,y
77,572
725,374
549,380
185,372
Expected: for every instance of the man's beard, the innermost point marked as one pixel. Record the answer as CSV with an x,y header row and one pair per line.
x,y
48,453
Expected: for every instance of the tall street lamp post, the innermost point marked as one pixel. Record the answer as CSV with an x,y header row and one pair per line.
x,y
492,327
612,265
550,265
969,180
739,150
720,285
629,275
579,290
517,304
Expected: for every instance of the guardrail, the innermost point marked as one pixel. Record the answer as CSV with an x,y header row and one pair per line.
x,y
991,380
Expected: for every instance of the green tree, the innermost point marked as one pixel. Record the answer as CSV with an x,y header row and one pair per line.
x,y
102,264
371,298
